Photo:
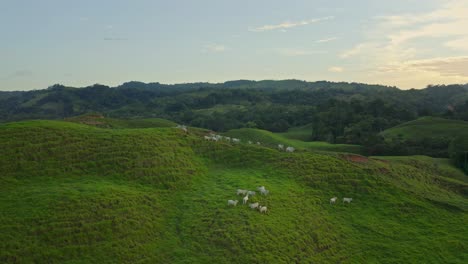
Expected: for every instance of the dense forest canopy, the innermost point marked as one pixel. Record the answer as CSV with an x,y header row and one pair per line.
x,y
339,112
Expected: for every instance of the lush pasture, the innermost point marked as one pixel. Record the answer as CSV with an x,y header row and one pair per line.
x,y
105,122
428,127
303,133
75,193
270,139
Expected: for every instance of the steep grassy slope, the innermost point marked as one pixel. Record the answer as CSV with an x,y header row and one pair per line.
x,y
74,193
428,127
270,139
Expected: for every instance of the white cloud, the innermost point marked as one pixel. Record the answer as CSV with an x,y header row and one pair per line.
x,y
298,52
444,66
401,47
287,24
458,44
326,40
335,69
214,48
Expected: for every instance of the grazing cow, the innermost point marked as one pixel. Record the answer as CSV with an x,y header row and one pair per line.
x,y
207,138
347,200
262,209
240,191
333,200
280,146
251,193
246,198
236,140
253,205
290,149
232,202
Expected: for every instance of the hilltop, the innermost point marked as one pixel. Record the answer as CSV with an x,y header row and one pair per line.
x,y
427,127
73,192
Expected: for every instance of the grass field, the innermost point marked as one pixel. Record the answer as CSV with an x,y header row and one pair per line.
x,y
105,122
428,127
303,133
73,193
292,138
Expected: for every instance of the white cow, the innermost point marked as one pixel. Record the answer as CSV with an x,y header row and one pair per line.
x,y
251,193
236,140
258,143
253,205
232,202
347,200
240,191
246,198
280,146
333,200
228,139
207,138
290,149
262,209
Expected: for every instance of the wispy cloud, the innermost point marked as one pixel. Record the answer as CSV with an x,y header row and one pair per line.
x,y
298,52
445,66
326,40
335,69
214,48
401,47
288,24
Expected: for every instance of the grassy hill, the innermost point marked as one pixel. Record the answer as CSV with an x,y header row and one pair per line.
x,y
99,120
302,133
428,127
73,193
291,138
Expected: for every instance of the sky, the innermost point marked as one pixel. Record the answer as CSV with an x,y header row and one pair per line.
x,y
402,43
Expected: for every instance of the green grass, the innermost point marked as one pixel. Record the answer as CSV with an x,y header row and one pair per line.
x,y
267,138
72,193
103,122
428,127
303,133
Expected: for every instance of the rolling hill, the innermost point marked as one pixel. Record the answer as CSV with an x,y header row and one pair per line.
x,y
428,127
72,193
267,138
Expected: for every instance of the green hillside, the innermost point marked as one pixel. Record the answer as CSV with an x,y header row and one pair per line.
x,y
303,133
428,127
267,138
74,193
99,120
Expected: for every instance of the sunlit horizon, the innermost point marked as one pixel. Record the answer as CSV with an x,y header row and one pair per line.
x,y
404,44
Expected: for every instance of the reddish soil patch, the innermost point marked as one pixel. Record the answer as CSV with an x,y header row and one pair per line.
x,y
355,158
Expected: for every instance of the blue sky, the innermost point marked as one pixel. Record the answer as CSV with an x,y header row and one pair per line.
x,y
407,44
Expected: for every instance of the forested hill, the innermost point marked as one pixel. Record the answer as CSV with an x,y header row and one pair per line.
x,y
339,112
